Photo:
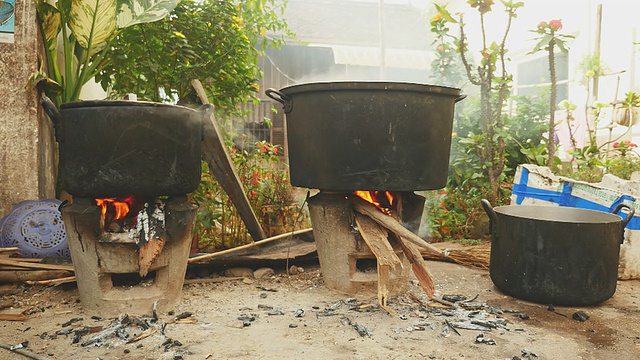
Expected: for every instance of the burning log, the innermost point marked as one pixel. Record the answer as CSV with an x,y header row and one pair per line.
x,y
366,208
408,242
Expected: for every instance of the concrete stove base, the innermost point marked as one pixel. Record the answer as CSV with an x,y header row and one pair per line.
x,y
97,261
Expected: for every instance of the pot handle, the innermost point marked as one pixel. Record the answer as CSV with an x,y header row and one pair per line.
x,y
631,212
281,98
462,97
52,112
489,210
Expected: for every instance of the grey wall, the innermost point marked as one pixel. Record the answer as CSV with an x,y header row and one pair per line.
x,y
26,136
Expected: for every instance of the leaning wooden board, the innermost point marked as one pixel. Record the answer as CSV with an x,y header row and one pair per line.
x,y
215,154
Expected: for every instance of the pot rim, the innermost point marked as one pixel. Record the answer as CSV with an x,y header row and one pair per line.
x,y
370,85
558,214
119,103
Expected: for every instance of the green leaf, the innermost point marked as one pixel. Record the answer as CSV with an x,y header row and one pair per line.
x,y
131,12
92,22
50,22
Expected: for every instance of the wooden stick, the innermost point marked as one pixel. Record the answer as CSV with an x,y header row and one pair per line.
x,y
32,260
214,152
8,249
30,265
242,247
13,317
23,352
31,275
62,280
211,280
390,223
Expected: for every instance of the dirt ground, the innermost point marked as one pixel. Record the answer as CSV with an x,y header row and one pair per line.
x,y
296,317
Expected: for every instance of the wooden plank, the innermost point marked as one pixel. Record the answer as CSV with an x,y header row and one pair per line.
x,y
376,237
214,152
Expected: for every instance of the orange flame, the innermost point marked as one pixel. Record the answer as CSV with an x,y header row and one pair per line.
x,y
374,197
121,206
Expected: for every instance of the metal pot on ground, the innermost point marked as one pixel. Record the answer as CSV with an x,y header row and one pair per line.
x,y
555,255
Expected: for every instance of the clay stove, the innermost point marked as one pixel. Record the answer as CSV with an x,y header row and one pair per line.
x,y
347,261
108,264
129,149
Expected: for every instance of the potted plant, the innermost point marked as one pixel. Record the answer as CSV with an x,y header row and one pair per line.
x,y
86,29
627,112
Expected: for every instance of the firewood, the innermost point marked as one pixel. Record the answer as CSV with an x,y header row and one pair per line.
x,y
31,275
376,238
9,249
13,317
391,224
34,265
253,244
419,266
148,253
58,281
383,284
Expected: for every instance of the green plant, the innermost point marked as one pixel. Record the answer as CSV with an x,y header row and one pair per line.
x,y
87,29
266,183
548,40
446,66
215,41
494,81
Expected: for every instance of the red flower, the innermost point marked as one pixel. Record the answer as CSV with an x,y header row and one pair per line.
x,y
444,228
275,150
555,24
616,144
542,24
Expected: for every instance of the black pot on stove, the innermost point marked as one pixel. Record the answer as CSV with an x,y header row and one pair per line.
x,y
368,135
122,148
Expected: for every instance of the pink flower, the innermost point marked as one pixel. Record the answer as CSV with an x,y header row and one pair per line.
x,y
542,24
555,24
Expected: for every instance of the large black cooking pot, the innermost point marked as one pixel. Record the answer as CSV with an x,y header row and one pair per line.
x,y
122,148
555,255
368,135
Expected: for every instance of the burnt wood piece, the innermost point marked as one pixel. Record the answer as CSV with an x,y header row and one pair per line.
x,y
215,154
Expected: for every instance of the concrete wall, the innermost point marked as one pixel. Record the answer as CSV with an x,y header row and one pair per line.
x,y
26,136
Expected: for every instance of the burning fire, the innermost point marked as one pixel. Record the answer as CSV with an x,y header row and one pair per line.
x,y
383,200
120,206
